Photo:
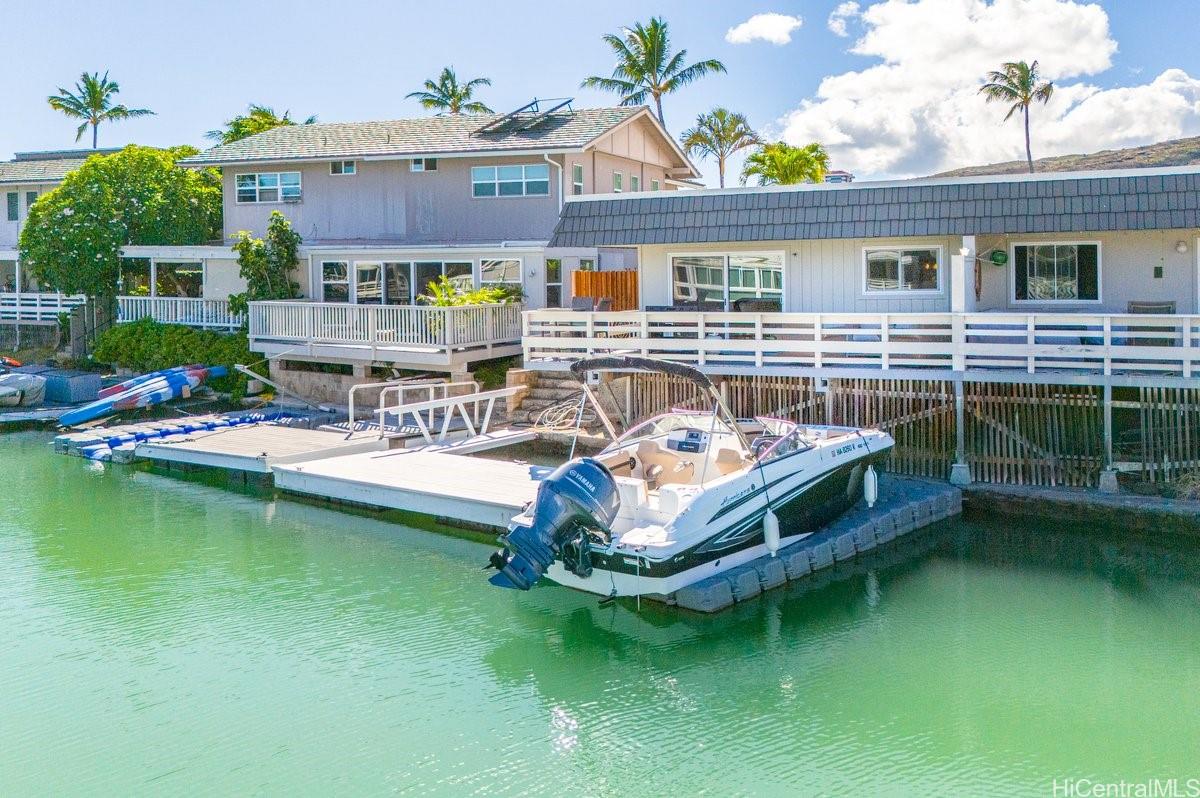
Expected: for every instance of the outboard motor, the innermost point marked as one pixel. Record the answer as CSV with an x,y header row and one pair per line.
x,y
577,496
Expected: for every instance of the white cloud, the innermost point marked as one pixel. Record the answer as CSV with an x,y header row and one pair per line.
x,y
917,110
773,28
840,16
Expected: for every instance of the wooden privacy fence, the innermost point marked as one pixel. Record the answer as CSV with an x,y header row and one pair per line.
x,y
621,287
1014,434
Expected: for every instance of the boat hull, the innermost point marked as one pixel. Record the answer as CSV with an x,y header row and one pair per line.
x,y
802,505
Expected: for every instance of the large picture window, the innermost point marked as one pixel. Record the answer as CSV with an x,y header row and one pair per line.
x,y
268,187
335,281
500,273
895,270
530,180
751,282
1056,272
183,279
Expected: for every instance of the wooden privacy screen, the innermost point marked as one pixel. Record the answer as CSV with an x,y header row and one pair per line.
x,y
621,286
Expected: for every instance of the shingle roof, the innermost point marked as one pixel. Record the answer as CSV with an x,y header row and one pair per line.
x,y
1120,200
44,167
435,135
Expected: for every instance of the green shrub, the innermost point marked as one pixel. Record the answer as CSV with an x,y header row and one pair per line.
x,y
147,345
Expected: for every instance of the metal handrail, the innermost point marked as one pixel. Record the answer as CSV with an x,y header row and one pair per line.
x,y
451,404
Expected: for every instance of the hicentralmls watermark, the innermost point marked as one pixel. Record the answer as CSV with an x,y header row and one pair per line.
x,y
1146,788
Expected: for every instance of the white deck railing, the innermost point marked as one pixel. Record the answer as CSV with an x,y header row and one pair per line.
x,y
36,307
207,313
1090,344
384,326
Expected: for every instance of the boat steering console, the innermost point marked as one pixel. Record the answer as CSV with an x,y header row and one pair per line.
x,y
688,439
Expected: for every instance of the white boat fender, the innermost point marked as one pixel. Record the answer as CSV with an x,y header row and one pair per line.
x,y
870,486
771,531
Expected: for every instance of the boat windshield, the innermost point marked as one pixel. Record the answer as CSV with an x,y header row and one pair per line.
x,y
795,441
668,422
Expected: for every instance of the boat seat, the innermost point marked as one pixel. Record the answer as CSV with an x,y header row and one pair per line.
x,y
661,466
728,460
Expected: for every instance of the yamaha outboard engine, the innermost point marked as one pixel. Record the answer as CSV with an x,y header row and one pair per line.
x,y
577,496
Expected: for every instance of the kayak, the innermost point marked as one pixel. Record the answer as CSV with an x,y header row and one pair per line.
x,y
121,387
171,384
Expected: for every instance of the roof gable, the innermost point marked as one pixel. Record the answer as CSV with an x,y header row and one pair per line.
x,y
45,167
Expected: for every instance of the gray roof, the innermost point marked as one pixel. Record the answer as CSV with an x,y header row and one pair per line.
x,y
436,135
44,167
1134,199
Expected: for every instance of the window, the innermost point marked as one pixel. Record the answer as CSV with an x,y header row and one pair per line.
x,y
553,283
500,273
343,168
423,165
368,282
654,185
577,179
888,270
532,180
268,187
635,183
335,281
13,199
397,283
30,198
587,264
752,282
1056,272
460,273
185,279
618,182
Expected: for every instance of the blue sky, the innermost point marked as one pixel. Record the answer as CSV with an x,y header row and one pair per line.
x,y
196,64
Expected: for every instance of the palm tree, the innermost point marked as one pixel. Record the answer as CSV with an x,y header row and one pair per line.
x,y
92,101
449,95
258,118
645,66
781,164
1017,84
719,134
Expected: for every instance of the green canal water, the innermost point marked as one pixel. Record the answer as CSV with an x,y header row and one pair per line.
x,y
159,636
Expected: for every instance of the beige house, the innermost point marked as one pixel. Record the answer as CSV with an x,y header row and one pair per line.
x,y
384,208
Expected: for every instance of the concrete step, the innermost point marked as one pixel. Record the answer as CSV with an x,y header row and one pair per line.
x,y
541,392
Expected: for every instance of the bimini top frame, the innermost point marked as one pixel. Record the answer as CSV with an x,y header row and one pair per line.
x,y
580,369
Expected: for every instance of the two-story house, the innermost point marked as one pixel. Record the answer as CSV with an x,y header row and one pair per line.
x,y
22,180
385,208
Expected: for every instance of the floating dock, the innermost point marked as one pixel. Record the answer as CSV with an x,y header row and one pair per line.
x,y
256,449
432,480
904,505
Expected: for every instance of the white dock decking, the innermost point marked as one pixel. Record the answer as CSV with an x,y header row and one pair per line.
x,y
429,480
259,448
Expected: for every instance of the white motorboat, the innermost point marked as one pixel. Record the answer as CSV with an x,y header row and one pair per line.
x,y
684,496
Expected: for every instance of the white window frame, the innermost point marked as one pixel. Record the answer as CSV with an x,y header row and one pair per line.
x,y
12,201
726,255
349,282
423,165
550,284
347,168
618,182
635,183
577,179
1012,274
654,185
480,282
867,293
496,181
279,187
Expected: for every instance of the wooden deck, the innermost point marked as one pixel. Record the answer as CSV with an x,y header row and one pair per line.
x,y
259,448
435,483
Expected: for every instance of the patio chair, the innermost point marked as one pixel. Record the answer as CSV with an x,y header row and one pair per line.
x,y
752,305
582,303
1165,307
604,304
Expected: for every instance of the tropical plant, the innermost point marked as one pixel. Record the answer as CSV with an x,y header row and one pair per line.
x,y
781,164
445,293
257,119
719,134
92,101
266,264
447,94
73,237
646,68
1018,84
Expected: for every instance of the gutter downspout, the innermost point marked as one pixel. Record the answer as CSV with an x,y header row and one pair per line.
x,y
561,187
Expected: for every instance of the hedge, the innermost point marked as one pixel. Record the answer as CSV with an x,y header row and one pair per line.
x,y
147,345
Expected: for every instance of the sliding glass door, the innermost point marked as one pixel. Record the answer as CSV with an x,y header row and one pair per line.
x,y
749,282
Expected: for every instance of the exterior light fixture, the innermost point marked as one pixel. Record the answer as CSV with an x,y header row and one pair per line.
x,y
1181,247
